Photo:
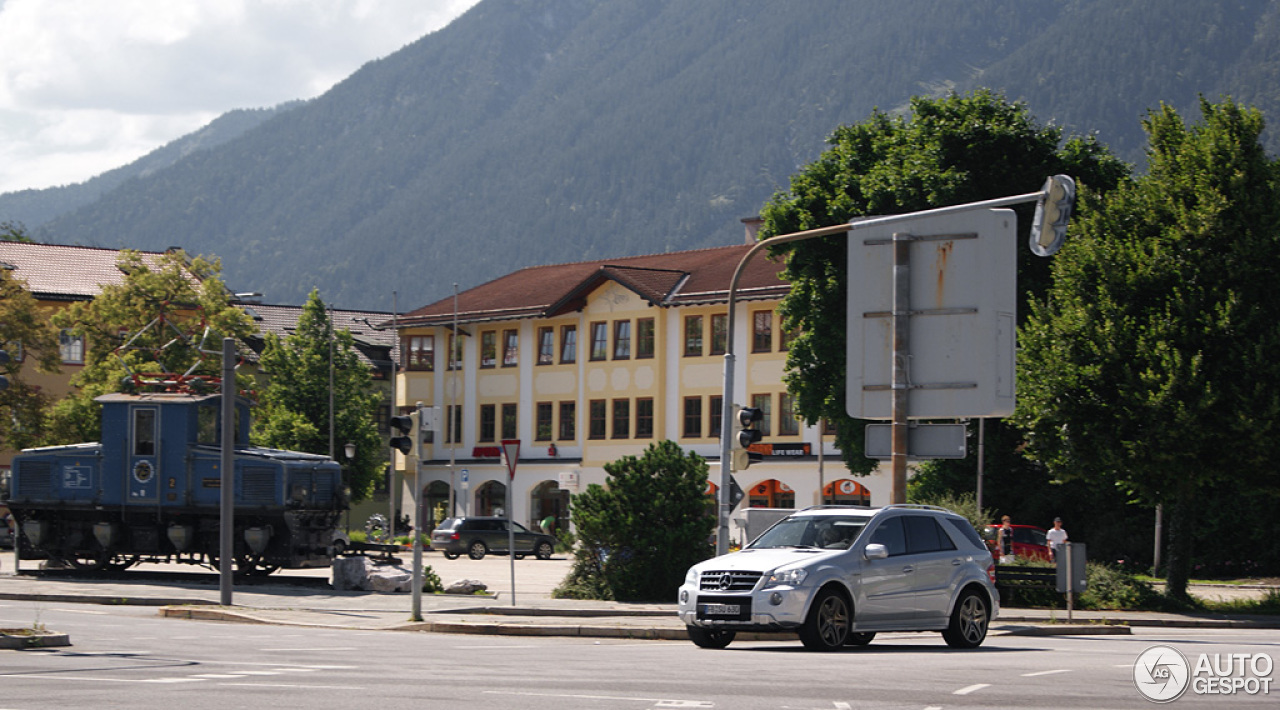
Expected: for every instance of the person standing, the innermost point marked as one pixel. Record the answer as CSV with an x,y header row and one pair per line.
x,y
1004,538
1055,537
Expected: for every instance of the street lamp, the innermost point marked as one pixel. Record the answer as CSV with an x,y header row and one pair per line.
x,y
349,450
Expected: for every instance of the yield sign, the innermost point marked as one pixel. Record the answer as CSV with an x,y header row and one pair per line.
x,y
511,452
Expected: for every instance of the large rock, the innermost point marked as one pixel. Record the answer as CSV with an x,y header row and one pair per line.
x,y
360,573
465,586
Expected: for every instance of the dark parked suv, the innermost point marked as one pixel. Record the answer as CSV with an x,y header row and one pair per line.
x,y
478,537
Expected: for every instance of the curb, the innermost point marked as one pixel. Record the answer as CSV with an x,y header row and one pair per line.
x,y
1066,630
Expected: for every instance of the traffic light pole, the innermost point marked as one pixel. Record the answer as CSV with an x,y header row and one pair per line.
x,y
1055,198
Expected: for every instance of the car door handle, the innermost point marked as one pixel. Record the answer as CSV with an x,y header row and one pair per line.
x,y
956,562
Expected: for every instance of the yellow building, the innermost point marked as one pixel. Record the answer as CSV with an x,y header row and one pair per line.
x,y
587,362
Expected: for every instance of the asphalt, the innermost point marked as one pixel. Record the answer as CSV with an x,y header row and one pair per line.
x,y
530,611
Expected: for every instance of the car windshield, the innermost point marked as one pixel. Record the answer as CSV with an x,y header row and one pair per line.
x,y
834,532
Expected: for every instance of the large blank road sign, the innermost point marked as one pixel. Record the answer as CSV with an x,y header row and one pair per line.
x,y
924,441
962,314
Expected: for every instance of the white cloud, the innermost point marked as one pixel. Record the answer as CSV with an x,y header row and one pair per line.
x,y
89,85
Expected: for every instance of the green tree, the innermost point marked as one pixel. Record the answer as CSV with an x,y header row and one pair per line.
x,y
296,402
639,535
949,151
1161,328
24,332
155,321
13,232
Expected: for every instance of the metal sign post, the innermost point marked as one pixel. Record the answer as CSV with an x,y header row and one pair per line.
x,y
417,520
511,453
226,518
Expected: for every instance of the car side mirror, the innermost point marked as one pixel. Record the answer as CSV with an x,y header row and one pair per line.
x,y
875,551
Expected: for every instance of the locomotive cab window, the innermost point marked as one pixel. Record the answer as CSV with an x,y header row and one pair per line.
x,y
144,432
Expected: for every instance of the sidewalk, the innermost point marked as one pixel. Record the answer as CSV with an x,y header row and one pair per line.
x,y
535,614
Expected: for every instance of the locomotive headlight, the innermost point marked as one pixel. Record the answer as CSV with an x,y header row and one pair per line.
x,y
298,493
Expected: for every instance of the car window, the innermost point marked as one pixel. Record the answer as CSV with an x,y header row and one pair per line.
x,y
836,531
890,534
518,527
448,524
922,534
1028,536
966,531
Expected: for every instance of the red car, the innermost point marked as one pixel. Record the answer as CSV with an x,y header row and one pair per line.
x,y
1029,542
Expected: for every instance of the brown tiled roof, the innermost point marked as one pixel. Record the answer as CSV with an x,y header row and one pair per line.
x,y
675,278
58,272
283,321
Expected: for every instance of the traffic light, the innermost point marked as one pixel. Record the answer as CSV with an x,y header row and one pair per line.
x,y
408,434
1053,212
749,418
4,360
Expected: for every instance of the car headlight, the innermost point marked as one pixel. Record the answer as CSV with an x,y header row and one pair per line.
x,y
793,577
691,577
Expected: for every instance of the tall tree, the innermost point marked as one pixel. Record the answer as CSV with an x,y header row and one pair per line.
x,y
1161,327
297,402
27,336
949,151
167,306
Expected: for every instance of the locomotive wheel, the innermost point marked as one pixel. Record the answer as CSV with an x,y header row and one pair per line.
x,y
254,567
102,562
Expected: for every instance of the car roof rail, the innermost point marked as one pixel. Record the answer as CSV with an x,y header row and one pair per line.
x,y
836,506
919,506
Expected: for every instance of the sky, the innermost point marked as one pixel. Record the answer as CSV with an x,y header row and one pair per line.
x,y
91,85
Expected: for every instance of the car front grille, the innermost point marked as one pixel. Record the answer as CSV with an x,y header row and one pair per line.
x,y
728,581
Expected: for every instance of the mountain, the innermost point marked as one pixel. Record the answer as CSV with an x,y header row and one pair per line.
x,y
541,131
36,207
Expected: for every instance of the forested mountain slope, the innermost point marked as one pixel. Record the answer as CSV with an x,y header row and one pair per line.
x,y
538,131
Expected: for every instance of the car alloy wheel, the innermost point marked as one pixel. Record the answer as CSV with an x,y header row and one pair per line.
x,y
969,621
827,627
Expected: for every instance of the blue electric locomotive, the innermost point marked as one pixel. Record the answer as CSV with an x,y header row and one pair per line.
x,y
151,491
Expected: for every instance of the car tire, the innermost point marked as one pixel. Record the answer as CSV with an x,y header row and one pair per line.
x,y
450,555
543,550
477,550
710,638
827,627
860,639
969,621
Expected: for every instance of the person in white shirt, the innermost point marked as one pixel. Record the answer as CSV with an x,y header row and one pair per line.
x,y
1057,536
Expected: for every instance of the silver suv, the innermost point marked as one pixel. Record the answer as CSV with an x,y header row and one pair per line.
x,y
840,574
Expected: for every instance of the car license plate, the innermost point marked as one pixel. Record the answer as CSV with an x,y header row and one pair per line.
x,y
721,609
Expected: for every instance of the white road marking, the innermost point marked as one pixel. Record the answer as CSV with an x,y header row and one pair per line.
x,y
81,611
296,685
1032,675
310,648
578,696
971,688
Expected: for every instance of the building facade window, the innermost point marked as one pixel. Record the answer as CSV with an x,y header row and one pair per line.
x,y
546,345
543,424
645,344
786,337
421,351
510,348
692,336
719,333
598,419
488,423
71,348
788,425
568,344
764,402
716,405
622,340
692,418
621,418
644,418
453,425
509,421
568,421
489,348
761,331
455,350
599,340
